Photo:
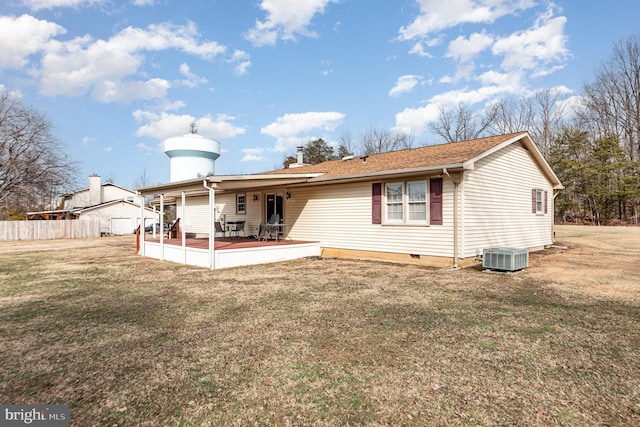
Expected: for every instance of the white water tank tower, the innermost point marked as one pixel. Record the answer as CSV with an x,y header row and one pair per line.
x,y
192,155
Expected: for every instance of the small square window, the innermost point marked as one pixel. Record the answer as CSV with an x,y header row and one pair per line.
x,y
241,204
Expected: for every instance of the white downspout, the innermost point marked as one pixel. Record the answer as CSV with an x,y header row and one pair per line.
x,y
212,228
456,215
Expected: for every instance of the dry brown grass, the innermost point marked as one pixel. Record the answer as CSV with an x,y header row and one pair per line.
x,y
132,341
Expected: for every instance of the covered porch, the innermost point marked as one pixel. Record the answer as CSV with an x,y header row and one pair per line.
x,y
203,205
228,252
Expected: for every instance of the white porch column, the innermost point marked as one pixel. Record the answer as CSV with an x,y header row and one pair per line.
x,y
212,228
154,222
184,235
162,225
141,235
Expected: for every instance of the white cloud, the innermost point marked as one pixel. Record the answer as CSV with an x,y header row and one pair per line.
x,y
405,84
535,47
52,4
23,36
108,68
418,49
438,15
192,80
415,120
291,130
146,149
326,67
285,19
143,2
86,140
253,155
465,49
219,127
161,126
126,91
241,60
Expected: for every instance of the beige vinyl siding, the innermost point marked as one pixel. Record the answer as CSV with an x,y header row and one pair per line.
x,y
196,218
196,215
497,203
119,210
226,205
110,192
339,216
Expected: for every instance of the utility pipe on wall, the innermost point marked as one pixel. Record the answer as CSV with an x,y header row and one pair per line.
x,y
456,214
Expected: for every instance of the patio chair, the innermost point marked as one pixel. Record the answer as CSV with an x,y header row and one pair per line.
x,y
237,228
219,229
268,230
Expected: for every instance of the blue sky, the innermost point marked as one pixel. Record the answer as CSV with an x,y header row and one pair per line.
x,y
117,78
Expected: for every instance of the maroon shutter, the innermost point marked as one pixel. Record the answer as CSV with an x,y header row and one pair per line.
x,y
376,203
544,194
533,201
435,201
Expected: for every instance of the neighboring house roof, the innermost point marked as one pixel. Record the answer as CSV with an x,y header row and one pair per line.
x,y
79,211
101,185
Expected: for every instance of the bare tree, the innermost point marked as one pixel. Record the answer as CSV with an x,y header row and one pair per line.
x,y
347,145
143,180
462,123
542,115
549,119
33,170
513,116
375,141
612,100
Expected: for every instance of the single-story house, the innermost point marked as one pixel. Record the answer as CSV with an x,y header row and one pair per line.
x,y
117,208
437,205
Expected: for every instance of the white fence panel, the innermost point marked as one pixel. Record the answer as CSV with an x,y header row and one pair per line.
x,y
44,230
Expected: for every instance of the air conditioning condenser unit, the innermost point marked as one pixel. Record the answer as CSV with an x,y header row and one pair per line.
x,y
505,259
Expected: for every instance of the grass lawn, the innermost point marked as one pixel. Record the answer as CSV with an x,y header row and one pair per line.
x,y
126,340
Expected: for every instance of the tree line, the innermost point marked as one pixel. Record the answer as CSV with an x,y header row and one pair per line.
x,y
592,141
34,170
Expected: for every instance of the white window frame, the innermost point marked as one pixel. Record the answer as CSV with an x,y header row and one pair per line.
x,y
241,204
405,203
539,201
425,220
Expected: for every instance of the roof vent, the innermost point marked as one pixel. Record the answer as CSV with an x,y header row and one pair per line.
x,y
364,159
345,158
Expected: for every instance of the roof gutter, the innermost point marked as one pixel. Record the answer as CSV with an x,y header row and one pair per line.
x,y
387,173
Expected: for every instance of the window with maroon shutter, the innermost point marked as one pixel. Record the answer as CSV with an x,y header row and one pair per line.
x,y
376,203
538,201
435,201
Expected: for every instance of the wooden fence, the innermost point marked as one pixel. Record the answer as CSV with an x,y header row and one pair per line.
x,y
43,230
